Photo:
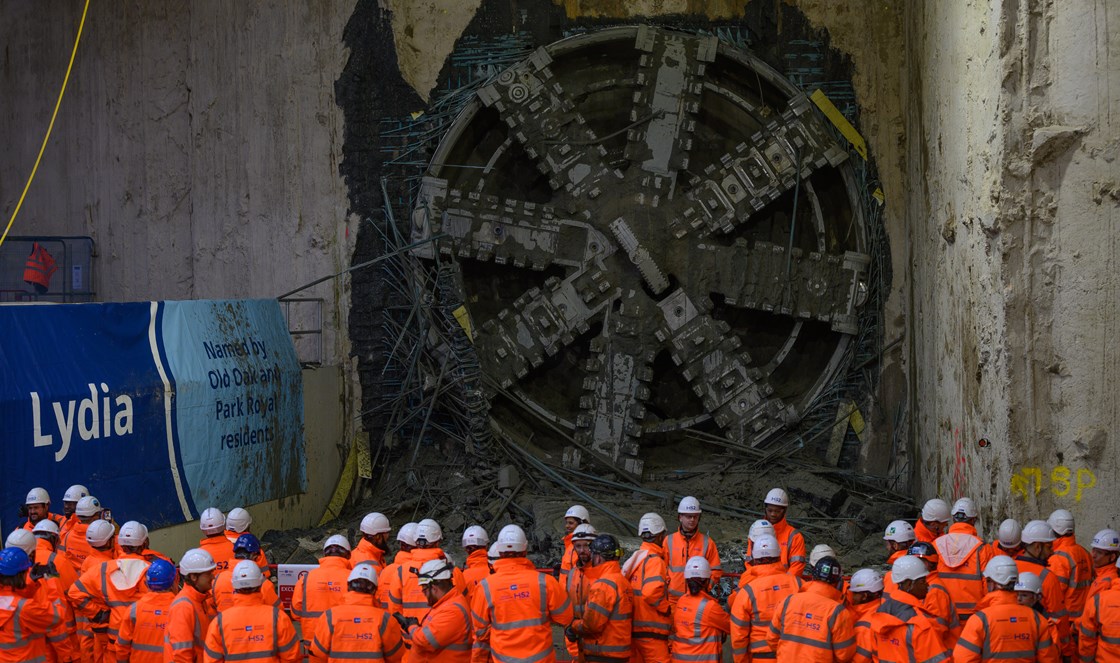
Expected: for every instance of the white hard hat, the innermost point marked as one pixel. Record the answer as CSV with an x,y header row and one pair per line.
x,y
584,532
760,528
23,540
407,534
512,539
337,540
75,493
1107,540
936,511
578,512
132,534
765,546
238,520
651,523
966,506
908,567
819,552
866,580
363,571
899,531
777,497
494,552
429,530
475,535
1061,521
196,560
1002,569
212,521
375,523
45,525
88,506
1028,582
435,569
1010,533
697,567
37,496
689,505
99,532
1037,531
247,575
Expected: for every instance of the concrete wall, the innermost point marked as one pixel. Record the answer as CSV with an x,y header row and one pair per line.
x,y
323,425
1013,216
198,144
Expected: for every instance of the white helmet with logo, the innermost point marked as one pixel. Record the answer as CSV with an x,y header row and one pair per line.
x,y
966,507
689,505
1010,533
652,524
1002,569
428,530
765,546
697,567
777,497
247,575
866,580
45,526
1037,531
578,512
584,532
132,534
475,535
75,493
1107,540
1029,582
899,531
37,496
363,571
512,539
375,523
238,520
435,569
196,560
908,567
88,506
760,528
212,521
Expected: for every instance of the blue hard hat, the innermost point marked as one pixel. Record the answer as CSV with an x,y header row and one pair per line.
x,y
160,576
247,542
13,561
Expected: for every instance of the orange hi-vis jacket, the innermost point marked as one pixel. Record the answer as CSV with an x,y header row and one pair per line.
x,y
900,631
608,614
320,589
938,605
367,552
1100,628
53,517
576,586
252,631
961,558
444,636
478,567
188,619
221,550
923,533
410,598
512,610
47,556
76,546
260,559
39,267
1005,632
792,544
221,592
648,575
64,528
24,624
889,585
812,626
1105,577
861,619
114,585
65,644
392,574
568,557
1074,567
754,607
678,550
355,629
92,638
1053,600
700,626
145,629
748,573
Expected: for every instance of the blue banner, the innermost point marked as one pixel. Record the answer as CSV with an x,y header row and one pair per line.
x,y
161,409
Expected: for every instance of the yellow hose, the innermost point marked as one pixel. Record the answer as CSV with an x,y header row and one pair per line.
x,y
50,127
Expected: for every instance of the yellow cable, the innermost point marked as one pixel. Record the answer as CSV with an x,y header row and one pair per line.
x,y
50,127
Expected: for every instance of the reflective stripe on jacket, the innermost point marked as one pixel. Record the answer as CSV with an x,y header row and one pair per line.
x,y
253,631
699,628
961,558
792,544
1007,632
355,629
754,607
411,597
1100,629
144,630
812,626
678,550
319,590
188,619
24,624
445,634
512,612
649,584
222,593
608,614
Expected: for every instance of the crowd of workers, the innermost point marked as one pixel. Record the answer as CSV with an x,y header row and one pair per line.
x,y
75,587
